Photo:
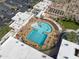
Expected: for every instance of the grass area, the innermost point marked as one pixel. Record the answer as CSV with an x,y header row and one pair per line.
x,y
69,24
72,37
4,30
35,2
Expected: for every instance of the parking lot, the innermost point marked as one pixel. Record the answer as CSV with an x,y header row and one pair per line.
x,y
9,8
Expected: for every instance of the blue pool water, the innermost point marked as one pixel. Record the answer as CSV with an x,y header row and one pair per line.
x,y
38,34
44,27
37,37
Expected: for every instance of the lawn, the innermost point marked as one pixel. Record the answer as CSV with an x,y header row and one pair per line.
x,y
72,37
34,2
4,30
69,24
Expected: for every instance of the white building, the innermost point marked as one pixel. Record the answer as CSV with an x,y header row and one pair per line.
x,y
14,49
68,50
20,19
42,7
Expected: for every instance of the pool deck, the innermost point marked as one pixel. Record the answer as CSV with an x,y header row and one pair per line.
x,y
51,39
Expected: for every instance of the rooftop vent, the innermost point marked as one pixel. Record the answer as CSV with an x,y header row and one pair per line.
x,y
77,52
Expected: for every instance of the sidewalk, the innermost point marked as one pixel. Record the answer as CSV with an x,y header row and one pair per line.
x,y
71,30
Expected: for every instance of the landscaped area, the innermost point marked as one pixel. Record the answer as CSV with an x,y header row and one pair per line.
x,y
3,30
68,24
35,2
72,37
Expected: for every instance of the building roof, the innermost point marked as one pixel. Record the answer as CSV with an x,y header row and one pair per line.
x,y
20,19
14,49
42,5
67,50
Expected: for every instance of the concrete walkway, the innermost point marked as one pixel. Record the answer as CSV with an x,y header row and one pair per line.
x,y
71,30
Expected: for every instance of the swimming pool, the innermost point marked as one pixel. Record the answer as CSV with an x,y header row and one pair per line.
x,y
38,34
43,27
37,37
